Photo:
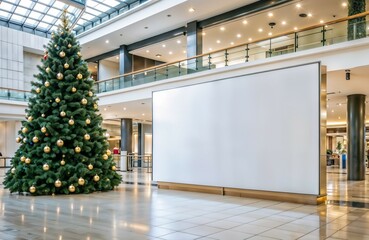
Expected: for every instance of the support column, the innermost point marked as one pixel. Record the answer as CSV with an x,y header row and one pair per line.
x,y
356,136
126,135
139,140
125,65
194,44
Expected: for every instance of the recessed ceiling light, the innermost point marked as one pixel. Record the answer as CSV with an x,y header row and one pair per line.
x,y
106,41
332,111
184,51
284,23
124,109
164,45
321,21
244,22
178,41
232,43
339,117
339,104
270,34
170,53
191,10
298,5
117,57
158,55
143,114
295,28
270,14
310,15
250,39
210,49
203,33
147,51
260,30
104,109
239,35
344,4
218,41
222,28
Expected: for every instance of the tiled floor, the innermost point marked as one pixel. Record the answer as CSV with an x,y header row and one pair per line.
x,y
141,211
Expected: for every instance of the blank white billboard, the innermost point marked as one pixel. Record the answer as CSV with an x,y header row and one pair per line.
x,y
258,131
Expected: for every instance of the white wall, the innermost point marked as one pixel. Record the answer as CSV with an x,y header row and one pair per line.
x,y
218,133
31,60
108,69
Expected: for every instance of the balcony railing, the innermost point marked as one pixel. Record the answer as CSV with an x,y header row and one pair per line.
x,y
294,41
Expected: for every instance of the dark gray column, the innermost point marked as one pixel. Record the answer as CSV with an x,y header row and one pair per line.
x,y
126,135
356,137
139,140
194,44
125,60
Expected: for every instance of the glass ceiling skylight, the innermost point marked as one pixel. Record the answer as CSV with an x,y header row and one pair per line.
x,y
41,16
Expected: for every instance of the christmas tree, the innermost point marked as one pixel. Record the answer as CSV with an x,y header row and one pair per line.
x,y
63,147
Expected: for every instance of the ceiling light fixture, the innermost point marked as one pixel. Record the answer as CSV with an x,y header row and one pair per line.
x,y
147,51
344,4
170,53
124,109
191,10
310,15
239,35
222,28
260,30
244,22
218,41
298,5
163,45
178,41
295,28
106,41
284,23
158,55
270,34
210,49
232,43
184,51
117,57
270,14
203,33
250,39
321,21
272,24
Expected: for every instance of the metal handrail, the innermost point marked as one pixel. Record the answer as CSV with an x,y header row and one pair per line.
x,y
139,162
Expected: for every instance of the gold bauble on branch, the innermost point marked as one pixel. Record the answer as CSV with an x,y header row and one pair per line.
x,y
59,76
58,183
35,139
23,158
43,115
46,167
69,45
84,101
18,139
62,54
74,89
62,114
13,170
96,178
114,168
87,137
108,152
77,149
79,54
47,149
66,65
38,90
88,121
105,157
25,140
28,160
24,130
95,106
60,143
90,93
48,69
71,188
79,76
81,181
43,129
62,162
30,118
47,84
71,122
32,189
55,46
57,100
90,166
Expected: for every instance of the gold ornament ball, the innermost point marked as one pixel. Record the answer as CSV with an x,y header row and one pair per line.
x,y
24,130
71,188
30,118
43,115
38,90
47,149
79,76
114,168
47,69
84,101
43,129
23,158
74,89
47,84
28,160
59,76
79,54
95,106
71,122
57,100
108,152
13,170
58,183
90,166
105,157
62,162
81,181
55,45
62,54
32,189
46,167
69,45
77,149
88,121
90,93
96,178
35,139
62,113
66,65
25,140
60,143
18,139
86,137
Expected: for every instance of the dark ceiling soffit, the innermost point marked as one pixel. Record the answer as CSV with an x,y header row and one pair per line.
x,y
156,39
103,56
240,12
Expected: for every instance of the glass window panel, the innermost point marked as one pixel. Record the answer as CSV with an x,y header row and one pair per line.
x,y
59,5
43,25
111,3
46,2
93,12
7,6
17,18
103,8
30,22
5,15
21,11
54,12
40,7
26,3
48,19
92,3
87,16
35,15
